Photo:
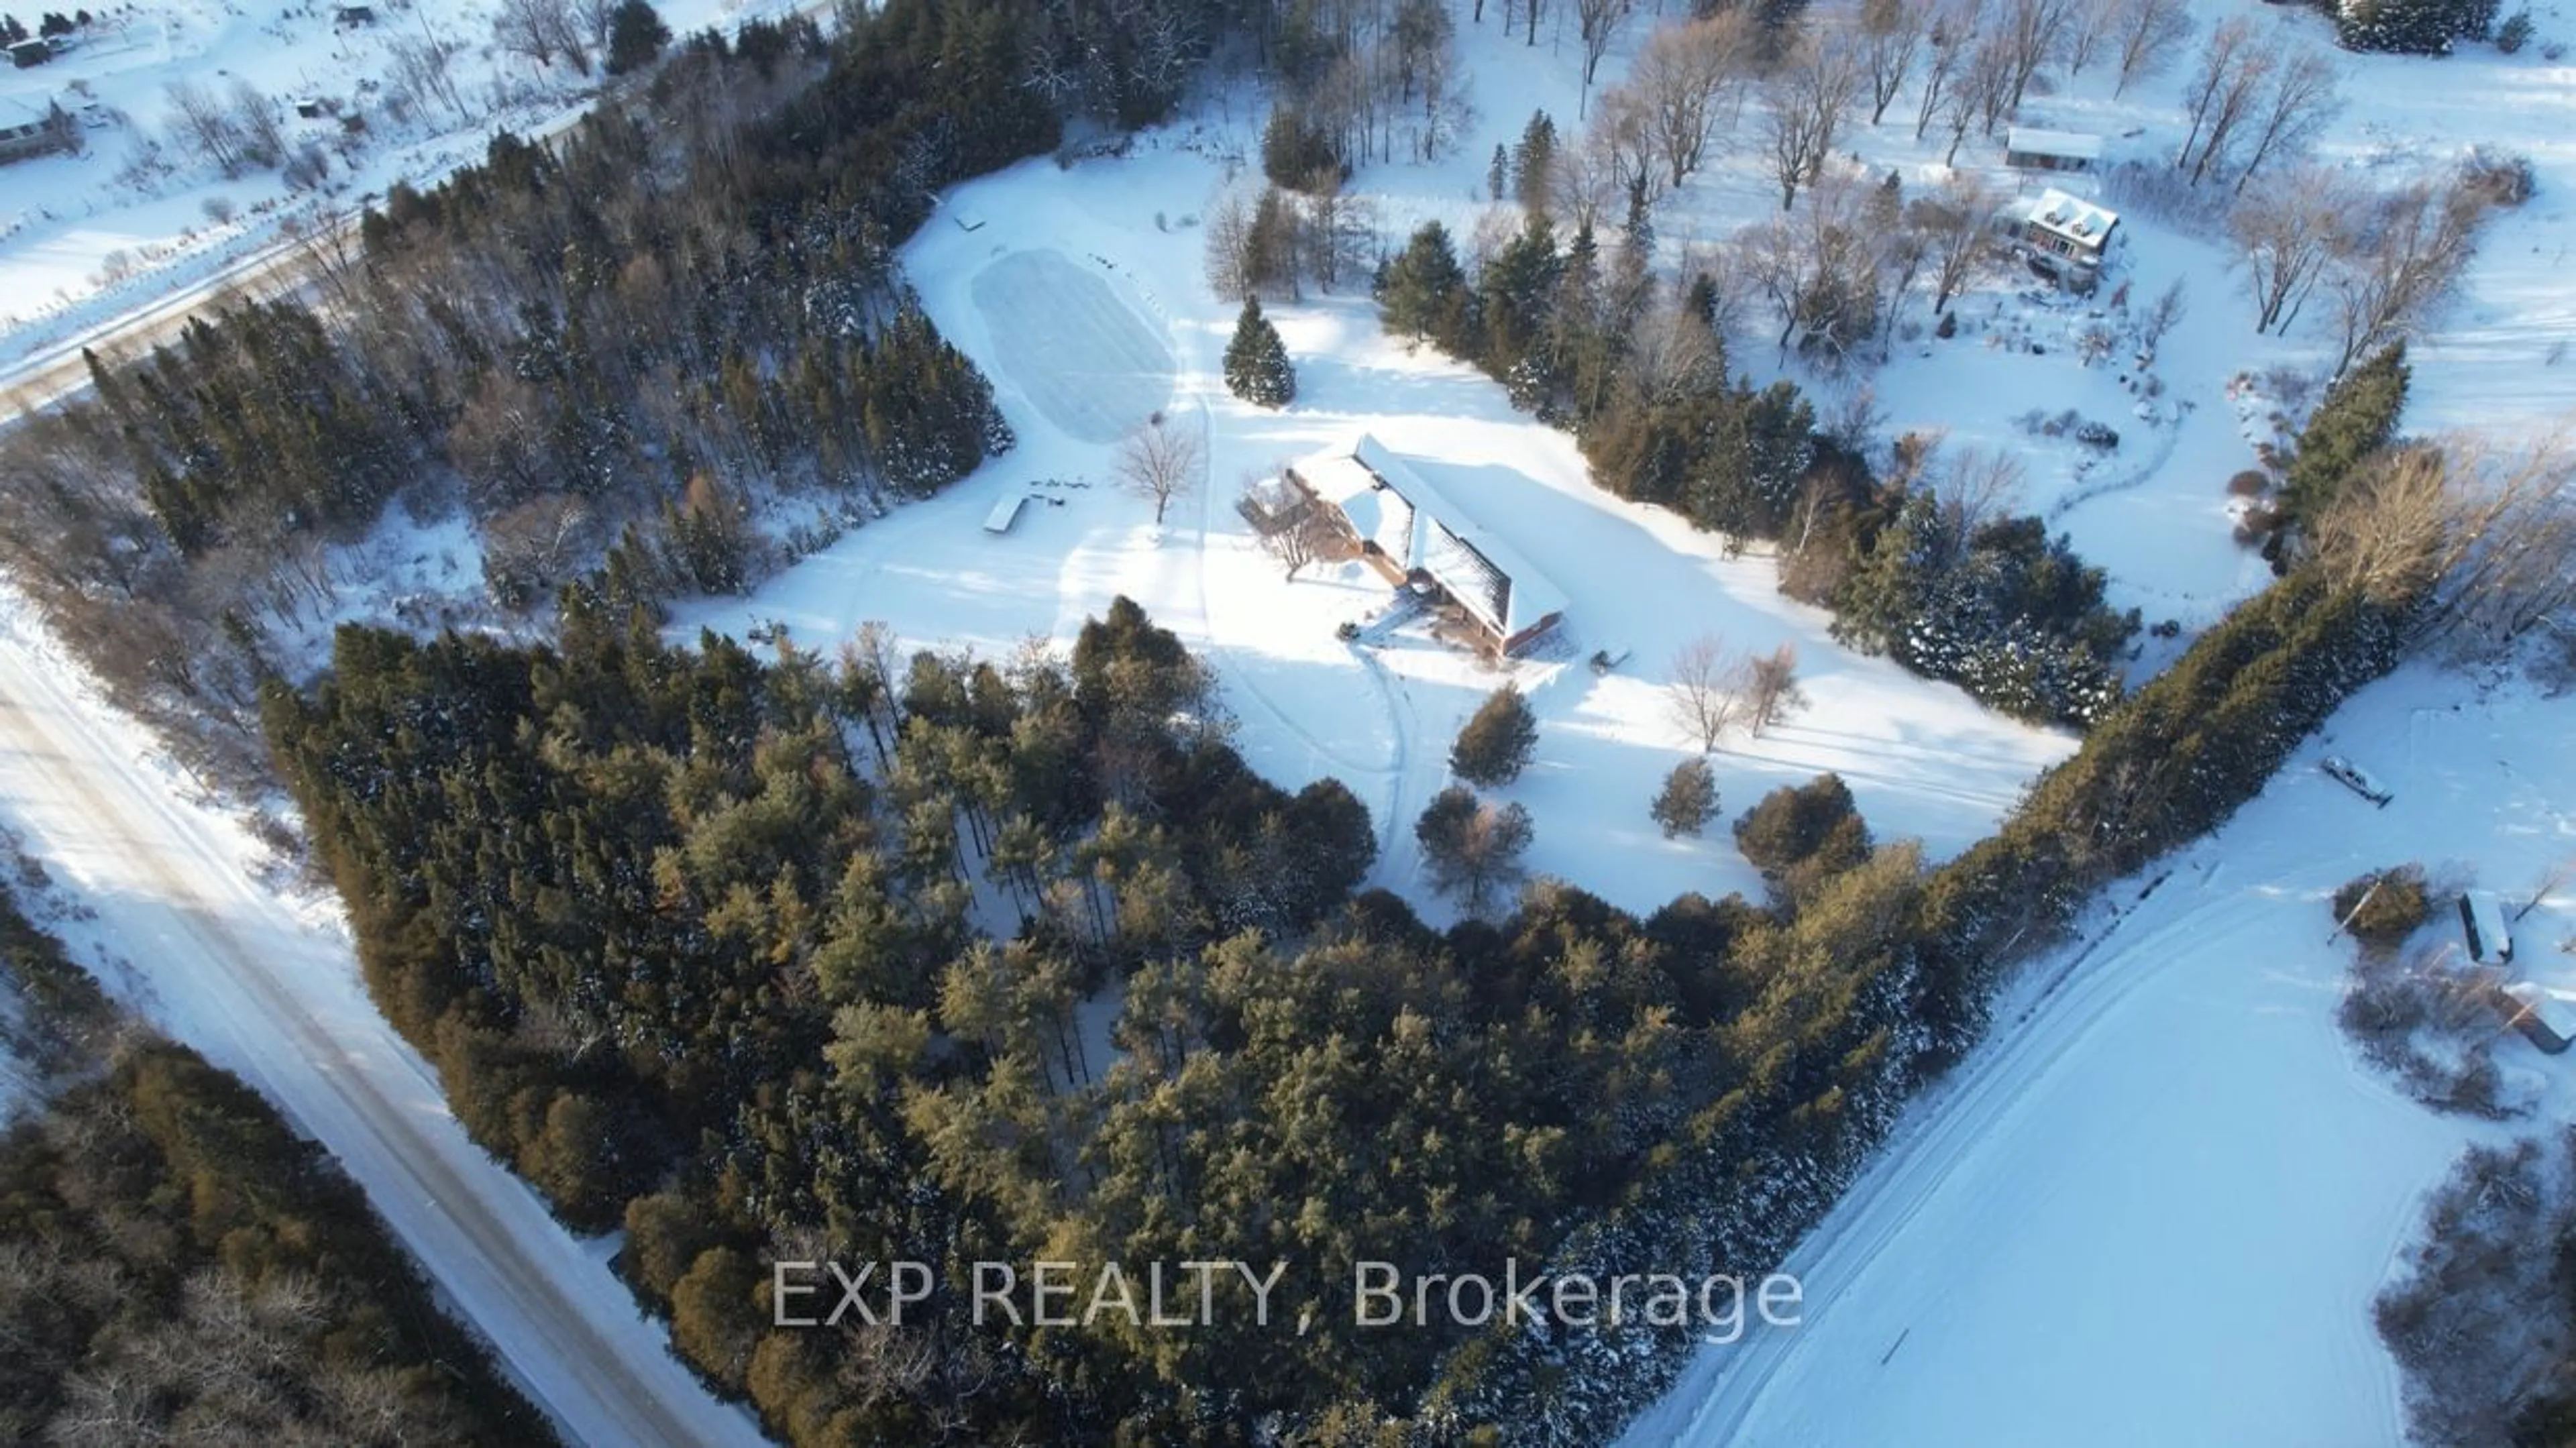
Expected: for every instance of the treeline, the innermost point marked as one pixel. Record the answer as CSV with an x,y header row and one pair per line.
x,y
1917,567
1745,1178
622,341
177,1266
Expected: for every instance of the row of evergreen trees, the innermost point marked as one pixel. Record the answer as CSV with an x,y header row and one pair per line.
x,y
1582,336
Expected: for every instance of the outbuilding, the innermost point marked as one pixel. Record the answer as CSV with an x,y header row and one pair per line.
x,y
2482,921
2028,148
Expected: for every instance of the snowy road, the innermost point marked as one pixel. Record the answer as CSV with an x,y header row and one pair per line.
x,y
257,987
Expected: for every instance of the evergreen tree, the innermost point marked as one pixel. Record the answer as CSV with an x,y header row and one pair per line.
x,y
1687,800
636,36
1424,290
1496,742
1256,361
1473,849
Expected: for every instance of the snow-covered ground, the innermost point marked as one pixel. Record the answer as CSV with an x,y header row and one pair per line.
x,y
2156,1208
265,984
86,238
1089,316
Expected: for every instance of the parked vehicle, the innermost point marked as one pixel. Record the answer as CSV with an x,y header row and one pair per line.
x,y
2357,779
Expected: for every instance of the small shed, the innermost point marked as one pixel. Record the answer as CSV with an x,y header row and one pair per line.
x,y
1006,512
350,15
2542,1018
2490,941
2028,148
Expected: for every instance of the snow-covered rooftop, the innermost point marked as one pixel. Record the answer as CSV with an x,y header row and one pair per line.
x,y
2070,145
2077,220
1391,505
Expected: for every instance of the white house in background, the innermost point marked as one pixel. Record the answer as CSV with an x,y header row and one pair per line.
x,y
2067,235
2028,148
1413,536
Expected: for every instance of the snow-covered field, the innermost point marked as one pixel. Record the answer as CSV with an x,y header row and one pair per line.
x,y
86,238
2156,1209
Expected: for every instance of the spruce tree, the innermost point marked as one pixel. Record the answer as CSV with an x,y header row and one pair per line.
x,y
1424,289
1687,800
1496,744
1256,362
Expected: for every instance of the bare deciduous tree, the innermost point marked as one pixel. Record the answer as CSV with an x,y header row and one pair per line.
x,y
2507,556
2223,92
1950,36
2161,315
1769,687
1806,101
542,31
1953,222
263,136
1976,486
205,124
1296,535
1597,23
2029,32
2145,34
421,71
2294,107
1891,37
2287,234
1688,80
2401,255
1160,461
1703,690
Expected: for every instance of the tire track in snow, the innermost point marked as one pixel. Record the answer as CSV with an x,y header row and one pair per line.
x,y
1919,1160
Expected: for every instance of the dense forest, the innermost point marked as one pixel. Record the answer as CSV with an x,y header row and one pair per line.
x,y
777,959
177,1266
613,346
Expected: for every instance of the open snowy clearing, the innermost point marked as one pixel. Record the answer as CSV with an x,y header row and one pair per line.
x,y
1922,759
1078,354
266,986
2163,1200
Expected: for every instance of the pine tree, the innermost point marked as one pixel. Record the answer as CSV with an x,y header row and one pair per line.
x,y
1424,289
1687,800
636,36
1256,362
1496,744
